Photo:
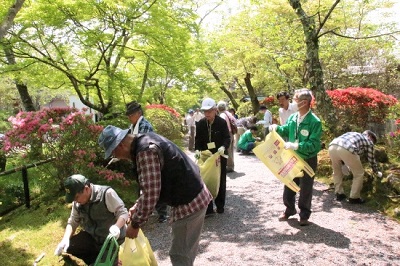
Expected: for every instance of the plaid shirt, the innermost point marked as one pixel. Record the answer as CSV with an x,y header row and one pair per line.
x,y
149,173
144,126
357,143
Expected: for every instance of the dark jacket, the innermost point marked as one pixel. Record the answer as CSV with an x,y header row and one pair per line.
x,y
180,176
219,134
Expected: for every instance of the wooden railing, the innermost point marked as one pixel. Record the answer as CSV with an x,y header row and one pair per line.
x,y
24,170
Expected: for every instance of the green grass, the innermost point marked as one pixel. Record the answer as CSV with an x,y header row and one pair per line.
x,y
27,233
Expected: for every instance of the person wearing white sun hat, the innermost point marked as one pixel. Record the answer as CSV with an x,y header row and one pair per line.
x,y
212,134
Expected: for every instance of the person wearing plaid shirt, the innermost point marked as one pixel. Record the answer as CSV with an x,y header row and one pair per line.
x,y
165,174
139,124
347,148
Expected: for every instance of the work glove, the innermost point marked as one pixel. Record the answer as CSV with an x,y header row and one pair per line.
x,y
197,154
291,145
62,247
221,150
379,174
272,127
114,231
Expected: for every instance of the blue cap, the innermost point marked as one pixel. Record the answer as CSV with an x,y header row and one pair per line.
x,y
110,138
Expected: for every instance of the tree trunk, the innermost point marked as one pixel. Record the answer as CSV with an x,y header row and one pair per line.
x,y
252,94
222,86
314,74
24,95
145,74
9,19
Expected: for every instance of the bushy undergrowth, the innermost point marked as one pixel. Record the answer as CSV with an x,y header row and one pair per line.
x,y
166,122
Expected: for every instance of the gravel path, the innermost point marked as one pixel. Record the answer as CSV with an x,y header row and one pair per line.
x,y
249,233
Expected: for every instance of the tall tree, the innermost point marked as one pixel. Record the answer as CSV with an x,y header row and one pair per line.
x,y
7,22
101,49
314,73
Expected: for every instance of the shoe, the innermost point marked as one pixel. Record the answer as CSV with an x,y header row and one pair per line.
x,y
209,214
220,210
230,170
356,201
283,217
162,218
340,197
304,222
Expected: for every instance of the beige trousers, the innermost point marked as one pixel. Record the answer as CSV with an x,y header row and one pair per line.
x,y
339,154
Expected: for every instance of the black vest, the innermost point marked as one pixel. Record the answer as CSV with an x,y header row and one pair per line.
x,y
180,176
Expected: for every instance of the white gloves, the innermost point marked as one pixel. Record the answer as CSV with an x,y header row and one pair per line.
x,y
379,174
62,247
197,154
114,231
272,127
291,145
221,150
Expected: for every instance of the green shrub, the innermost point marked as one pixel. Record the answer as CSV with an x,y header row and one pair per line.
x,y
166,122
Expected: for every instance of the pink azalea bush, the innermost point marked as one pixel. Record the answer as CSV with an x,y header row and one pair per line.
x,y
65,134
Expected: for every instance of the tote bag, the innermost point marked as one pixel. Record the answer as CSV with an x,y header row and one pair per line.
x,y
136,252
210,170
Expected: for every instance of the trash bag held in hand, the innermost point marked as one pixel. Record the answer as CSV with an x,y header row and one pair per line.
x,y
210,170
136,252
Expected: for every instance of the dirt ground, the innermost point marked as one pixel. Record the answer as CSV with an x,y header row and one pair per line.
x,y
249,233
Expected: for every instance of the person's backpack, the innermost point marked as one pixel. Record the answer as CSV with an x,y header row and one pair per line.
x,y
232,122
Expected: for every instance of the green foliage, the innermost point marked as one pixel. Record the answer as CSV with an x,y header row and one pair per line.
x,y
100,49
166,122
245,109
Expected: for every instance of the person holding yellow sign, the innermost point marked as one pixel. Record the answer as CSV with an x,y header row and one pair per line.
x,y
303,131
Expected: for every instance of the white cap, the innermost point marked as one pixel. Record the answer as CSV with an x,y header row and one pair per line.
x,y
207,104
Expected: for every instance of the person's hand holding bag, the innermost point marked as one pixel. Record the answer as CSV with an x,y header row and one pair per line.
x,y
114,231
272,127
221,150
197,154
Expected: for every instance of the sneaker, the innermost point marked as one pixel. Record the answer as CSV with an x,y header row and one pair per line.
x,y
356,201
304,222
283,217
340,197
